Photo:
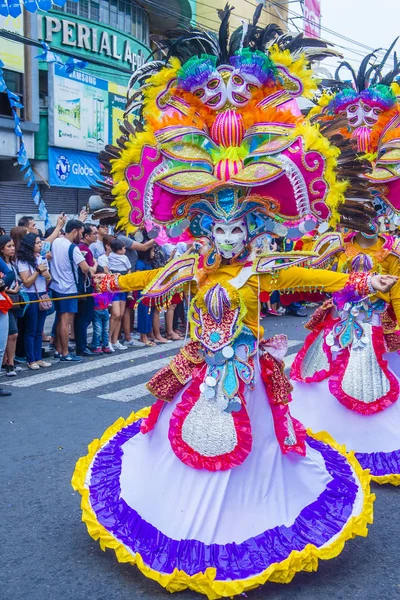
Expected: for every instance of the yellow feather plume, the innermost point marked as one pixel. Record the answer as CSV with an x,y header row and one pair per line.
x,y
129,155
299,68
323,101
156,84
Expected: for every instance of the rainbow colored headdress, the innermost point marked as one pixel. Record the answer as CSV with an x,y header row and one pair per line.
x,y
367,100
196,71
370,104
238,137
255,63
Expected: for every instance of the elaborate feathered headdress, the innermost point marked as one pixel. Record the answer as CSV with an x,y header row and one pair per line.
x,y
216,119
368,99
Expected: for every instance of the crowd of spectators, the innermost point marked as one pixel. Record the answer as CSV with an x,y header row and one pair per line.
x,y
51,275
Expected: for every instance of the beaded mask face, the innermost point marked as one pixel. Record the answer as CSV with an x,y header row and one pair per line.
x,y
230,237
212,92
241,87
201,77
360,113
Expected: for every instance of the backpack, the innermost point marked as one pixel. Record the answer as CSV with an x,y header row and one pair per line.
x,y
82,281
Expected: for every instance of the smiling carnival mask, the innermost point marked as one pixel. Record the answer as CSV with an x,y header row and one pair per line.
x,y
200,77
251,70
230,238
241,87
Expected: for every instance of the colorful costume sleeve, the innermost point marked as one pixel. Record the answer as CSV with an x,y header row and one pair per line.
x,y
127,283
395,300
136,281
301,279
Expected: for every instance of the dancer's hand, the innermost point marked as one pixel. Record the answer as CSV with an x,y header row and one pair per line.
x,y
383,283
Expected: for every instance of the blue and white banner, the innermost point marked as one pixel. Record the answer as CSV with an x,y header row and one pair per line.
x,y
73,168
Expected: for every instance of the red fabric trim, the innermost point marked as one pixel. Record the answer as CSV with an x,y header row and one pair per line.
x,y
288,299
277,385
191,457
279,415
150,421
340,365
295,372
392,341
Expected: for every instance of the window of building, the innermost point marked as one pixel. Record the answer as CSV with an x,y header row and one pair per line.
x,y
124,15
71,8
14,82
43,89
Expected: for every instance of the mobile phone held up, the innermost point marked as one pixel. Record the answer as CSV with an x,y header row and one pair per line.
x,y
46,246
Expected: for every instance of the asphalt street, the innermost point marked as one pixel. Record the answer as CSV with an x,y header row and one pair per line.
x,y
46,553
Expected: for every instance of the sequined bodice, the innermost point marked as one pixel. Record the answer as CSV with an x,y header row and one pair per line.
x,y
228,346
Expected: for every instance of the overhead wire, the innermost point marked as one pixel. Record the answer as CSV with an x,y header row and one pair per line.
x,y
215,21
176,14
358,53
322,27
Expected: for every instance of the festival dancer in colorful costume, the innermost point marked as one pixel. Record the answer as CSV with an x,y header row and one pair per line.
x,y
348,384
216,487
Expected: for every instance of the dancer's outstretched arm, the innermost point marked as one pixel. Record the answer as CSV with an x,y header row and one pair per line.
x,y
113,282
302,279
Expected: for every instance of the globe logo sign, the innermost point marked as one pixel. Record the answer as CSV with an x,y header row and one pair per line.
x,y
62,168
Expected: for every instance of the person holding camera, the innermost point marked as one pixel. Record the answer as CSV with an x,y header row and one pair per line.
x,y
34,272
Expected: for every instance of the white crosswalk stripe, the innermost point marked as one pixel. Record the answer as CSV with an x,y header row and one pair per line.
x,y
79,368
125,382
140,391
109,378
128,394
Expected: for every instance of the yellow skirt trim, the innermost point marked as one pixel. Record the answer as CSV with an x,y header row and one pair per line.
x,y
205,583
393,479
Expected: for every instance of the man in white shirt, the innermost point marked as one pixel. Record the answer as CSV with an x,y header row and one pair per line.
x,y
64,272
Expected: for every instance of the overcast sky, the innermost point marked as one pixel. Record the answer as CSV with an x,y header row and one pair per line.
x,y
374,23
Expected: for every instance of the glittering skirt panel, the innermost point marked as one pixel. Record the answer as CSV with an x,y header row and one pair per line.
x,y
228,531
375,438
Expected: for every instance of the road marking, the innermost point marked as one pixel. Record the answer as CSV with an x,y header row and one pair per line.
x,y
94,382
85,367
129,394
140,391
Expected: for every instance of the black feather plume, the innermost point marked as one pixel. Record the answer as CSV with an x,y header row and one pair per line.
x,y
223,34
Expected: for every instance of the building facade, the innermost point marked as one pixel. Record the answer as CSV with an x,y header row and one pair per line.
x,y
276,12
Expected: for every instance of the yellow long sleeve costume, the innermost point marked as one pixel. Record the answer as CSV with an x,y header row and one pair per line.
x,y
289,279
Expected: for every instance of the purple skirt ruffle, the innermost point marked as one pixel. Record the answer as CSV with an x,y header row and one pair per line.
x,y
316,524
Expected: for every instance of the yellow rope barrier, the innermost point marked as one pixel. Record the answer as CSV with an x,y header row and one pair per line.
x,y
55,299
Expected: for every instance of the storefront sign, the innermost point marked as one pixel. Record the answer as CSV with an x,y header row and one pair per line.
x,y
89,38
73,169
85,110
312,18
12,53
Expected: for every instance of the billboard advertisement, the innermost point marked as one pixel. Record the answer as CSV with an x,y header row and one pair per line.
x,y
312,18
73,168
12,53
84,111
